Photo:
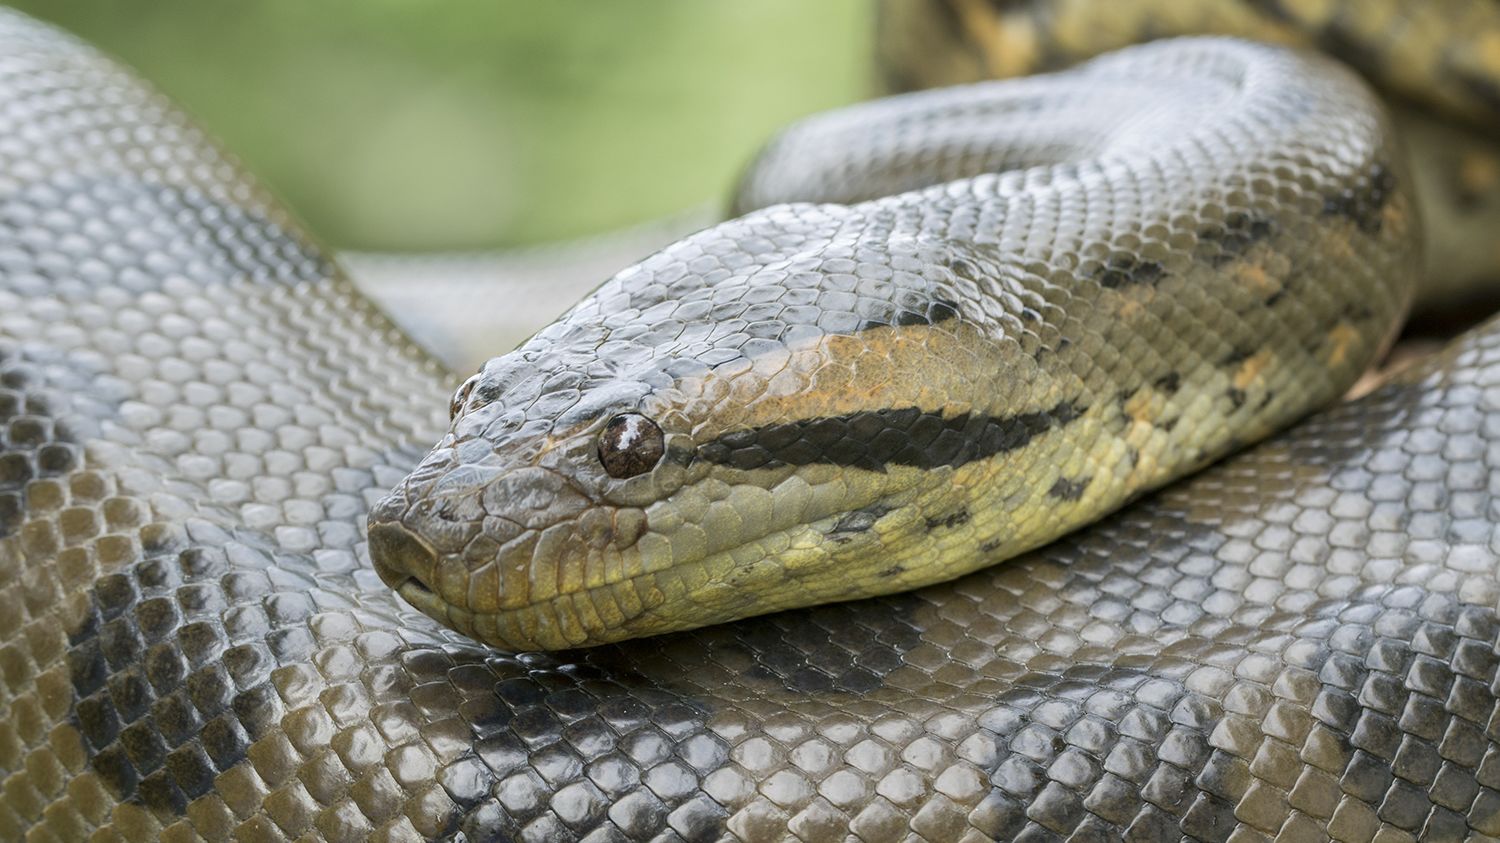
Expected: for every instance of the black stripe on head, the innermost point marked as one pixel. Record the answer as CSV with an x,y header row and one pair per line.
x,y
909,309
876,439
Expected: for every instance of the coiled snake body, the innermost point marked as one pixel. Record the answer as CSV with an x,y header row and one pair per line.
x,y
199,413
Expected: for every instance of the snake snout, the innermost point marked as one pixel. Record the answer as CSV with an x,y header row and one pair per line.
x,y
406,563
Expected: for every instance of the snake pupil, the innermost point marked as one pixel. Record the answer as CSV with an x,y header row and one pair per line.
x,y
631,444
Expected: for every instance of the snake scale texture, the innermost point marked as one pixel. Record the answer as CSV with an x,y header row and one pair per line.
x,y
198,414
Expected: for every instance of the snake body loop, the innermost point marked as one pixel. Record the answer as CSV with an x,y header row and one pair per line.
x,y
198,414
1016,306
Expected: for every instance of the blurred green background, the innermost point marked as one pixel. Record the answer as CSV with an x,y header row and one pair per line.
x,y
477,124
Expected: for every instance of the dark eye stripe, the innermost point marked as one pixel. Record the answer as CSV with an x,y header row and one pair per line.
x,y
875,439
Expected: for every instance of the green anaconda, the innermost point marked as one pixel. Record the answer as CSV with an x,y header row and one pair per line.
x,y
198,413
1117,274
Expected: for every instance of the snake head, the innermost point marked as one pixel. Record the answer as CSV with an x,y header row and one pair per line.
x,y
696,443
515,508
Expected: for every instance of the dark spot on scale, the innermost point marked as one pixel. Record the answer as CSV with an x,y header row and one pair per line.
x,y
1069,490
1275,297
857,521
941,310
1236,397
1357,312
1166,425
1237,356
1133,456
949,521
486,393
1266,401
938,310
891,571
1168,383
1125,395
991,546
1030,315
962,267
1128,270
1363,202
1228,242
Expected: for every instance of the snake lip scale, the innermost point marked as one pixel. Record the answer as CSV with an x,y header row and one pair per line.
x,y
199,417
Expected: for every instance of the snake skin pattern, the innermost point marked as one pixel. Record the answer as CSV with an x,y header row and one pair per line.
x,y
1438,60
1117,274
197,411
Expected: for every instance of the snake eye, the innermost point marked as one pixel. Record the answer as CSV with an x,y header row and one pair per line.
x,y
630,444
461,396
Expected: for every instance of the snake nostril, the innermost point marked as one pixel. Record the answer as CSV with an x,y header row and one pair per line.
x,y
400,557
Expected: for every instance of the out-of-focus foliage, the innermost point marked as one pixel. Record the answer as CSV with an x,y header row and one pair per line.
x,y
398,124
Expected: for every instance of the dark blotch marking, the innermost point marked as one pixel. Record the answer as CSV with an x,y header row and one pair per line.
x,y
1168,383
1127,270
938,310
991,546
877,439
1363,203
1236,397
949,521
857,521
1224,244
891,571
1069,490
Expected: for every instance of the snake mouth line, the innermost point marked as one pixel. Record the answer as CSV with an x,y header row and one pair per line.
x,y
414,586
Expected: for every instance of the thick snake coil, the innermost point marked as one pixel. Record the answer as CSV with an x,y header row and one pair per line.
x,y
197,413
1161,255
